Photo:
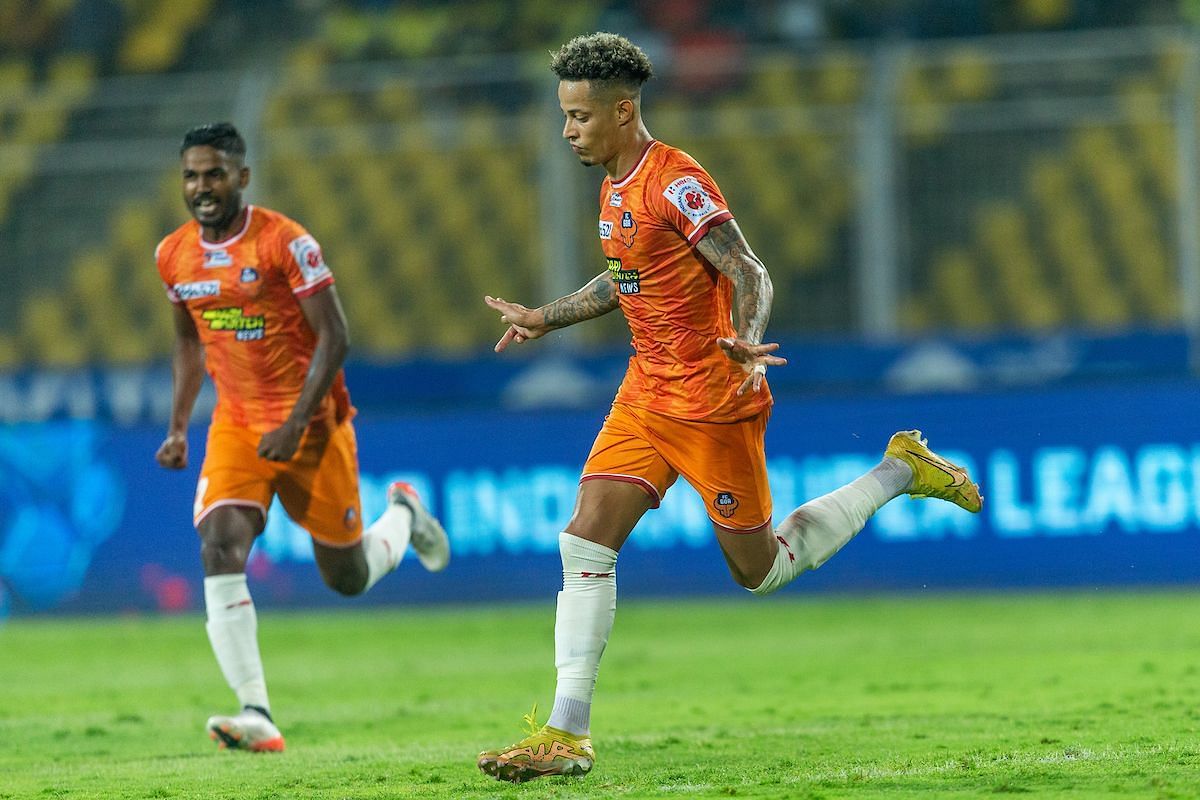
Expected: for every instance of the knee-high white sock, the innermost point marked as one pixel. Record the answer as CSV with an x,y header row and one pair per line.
x,y
385,541
811,534
587,606
233,631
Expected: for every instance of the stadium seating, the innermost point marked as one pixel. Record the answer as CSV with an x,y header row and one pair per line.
x,y
416,177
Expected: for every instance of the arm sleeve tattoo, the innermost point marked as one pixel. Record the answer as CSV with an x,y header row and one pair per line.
x,y
726,249
595,299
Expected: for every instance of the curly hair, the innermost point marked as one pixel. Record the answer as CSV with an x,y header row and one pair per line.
x,y
217,135
605,58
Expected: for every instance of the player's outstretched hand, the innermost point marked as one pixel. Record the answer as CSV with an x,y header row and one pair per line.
x,y
280,444
523,323
754,358
172,453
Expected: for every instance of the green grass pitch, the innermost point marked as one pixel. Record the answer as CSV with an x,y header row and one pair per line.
x,y
1082,695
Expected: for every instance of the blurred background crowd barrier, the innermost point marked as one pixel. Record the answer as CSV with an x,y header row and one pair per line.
x,y
967,200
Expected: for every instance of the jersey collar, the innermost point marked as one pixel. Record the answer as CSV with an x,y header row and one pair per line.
x,y
221,245
641,160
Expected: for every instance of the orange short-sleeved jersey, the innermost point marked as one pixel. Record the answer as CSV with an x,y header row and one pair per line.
x,y
243,294
677,303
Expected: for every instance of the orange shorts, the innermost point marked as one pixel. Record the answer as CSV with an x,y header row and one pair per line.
x,y
318,487
725,462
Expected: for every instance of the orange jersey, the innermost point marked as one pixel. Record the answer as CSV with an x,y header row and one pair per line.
x,y
243,294
677,303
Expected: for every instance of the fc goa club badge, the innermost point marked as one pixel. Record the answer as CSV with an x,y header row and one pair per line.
x,y
725,504
628,228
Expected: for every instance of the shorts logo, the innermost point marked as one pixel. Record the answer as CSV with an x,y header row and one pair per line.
x,y
628,281
246,329
725,504
307,254
217,258
615,200
350,518
628,228
605,229
687,195
249,274
196,289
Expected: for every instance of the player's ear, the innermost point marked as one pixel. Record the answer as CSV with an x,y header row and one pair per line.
x,y
625,110
243,177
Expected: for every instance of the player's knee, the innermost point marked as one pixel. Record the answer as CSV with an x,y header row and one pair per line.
x,y
780,574
223,553
347,583
746,579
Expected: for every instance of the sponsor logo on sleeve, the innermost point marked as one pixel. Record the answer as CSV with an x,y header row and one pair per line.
x,y
195,290
307,254
217,258
687,195
605,229
628,228
629,281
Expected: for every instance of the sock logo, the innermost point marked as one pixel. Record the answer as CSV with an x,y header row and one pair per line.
x,y
725,504
350,518
786,546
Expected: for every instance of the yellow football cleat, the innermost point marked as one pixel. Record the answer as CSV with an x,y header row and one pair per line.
x,y
934,476
545,751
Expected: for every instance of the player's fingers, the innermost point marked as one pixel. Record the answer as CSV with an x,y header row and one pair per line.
x,y
505,339
774,361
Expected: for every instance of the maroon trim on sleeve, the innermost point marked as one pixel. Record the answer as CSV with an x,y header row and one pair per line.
x,y
308,291
711,222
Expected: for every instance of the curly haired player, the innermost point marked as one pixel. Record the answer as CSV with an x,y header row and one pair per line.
x,y
694,401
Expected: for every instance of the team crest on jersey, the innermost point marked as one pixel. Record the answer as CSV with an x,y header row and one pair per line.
x,y
605,229
217,258
196,289
725,504
249,275
307,254
628,281
615,200
628,228
687,195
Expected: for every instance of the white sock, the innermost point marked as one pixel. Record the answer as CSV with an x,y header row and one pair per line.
x,y
587,606
385,541
233,631
811,534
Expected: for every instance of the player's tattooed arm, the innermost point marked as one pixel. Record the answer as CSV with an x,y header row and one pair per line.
x,y
726,249
595,299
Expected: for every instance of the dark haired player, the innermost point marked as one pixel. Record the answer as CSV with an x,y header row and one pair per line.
x,y
255,304
694,401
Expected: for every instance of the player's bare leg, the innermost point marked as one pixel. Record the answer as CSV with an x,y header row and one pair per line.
x,y
605,513
355,569
226,536
766,560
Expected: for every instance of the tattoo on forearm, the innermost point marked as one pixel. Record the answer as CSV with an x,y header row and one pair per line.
x,y
727,250
594,300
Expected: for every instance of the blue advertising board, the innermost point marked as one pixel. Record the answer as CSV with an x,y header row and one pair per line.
x,y
1084,486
